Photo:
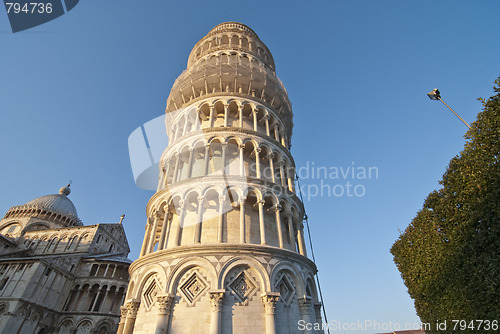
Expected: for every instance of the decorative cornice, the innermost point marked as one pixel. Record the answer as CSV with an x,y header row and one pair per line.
x,y
195,182
217,249
34,210
230,130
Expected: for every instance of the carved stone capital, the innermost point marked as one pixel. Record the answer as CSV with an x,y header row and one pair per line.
x,y
181,204
317,311
305,304
123,313
270,299
165,303
132,308
216,298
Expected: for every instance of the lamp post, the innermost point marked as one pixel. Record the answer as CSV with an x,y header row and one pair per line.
x,y
435,95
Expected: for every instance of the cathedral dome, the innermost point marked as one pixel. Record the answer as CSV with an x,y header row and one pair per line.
x,y
56,202
57,208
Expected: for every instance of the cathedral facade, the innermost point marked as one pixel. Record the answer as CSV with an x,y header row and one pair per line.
x,y
56,274
223,250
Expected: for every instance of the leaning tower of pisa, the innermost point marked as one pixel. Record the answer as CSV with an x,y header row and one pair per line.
x,y
223,250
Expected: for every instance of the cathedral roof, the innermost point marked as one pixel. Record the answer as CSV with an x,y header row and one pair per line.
x,y
56,207
56,202
115,257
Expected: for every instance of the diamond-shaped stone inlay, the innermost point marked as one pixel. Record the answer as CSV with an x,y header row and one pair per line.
x,y
286,289
193,288
150,293
242,286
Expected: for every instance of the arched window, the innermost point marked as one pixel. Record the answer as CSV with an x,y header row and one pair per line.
x,y
93,270
52,245
71,242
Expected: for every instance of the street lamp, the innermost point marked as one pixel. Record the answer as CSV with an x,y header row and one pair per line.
x,y
435,95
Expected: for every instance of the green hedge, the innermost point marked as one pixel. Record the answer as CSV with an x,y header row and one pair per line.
x,y
449,256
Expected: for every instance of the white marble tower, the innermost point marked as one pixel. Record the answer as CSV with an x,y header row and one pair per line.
x,y
224,250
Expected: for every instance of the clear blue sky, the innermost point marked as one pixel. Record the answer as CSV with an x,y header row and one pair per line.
x,y
357,73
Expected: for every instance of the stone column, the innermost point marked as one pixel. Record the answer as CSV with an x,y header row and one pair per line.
x,y
105,300
177,235
168,166
291,230
161,243
82,305
106,270
226,111
290,182
97,295
216,297
300,239
223,158
164,308
114,271
240,115
123,318
270,157
270,299
207,158
176,168
197,231
261,223
277,210
161,179
132,307
254,113
190,163
305,304
242,160
222,199
283,141
211,117
184,130
281,163
266,121
176,133
257,162
146,235
152,236
317,313
242,221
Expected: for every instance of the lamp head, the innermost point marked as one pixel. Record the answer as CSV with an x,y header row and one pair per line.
x,y
434,95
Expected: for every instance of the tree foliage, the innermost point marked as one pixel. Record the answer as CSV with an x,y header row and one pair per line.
x,y
449,255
